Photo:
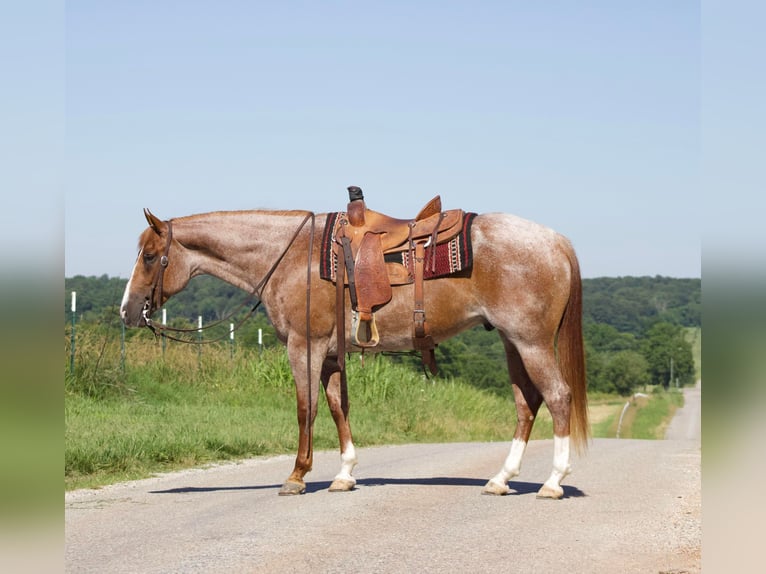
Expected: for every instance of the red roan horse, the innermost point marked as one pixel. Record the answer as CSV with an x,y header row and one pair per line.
x,y
525,282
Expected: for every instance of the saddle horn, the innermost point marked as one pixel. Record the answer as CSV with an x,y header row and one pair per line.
x,y
356,206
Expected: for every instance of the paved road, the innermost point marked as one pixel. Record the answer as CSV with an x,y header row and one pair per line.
x,y
629,506
687,424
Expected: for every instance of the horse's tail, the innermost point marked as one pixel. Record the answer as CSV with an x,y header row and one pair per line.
x,y
572,358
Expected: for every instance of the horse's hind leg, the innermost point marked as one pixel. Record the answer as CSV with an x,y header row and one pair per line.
x,y
528,401
336,392
542,367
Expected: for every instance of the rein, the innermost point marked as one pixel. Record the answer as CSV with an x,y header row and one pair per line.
x,y
160,331
157,294
157,291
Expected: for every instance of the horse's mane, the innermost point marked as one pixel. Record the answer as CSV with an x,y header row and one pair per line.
x,y
245,212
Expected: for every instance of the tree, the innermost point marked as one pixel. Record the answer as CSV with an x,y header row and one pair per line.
x,y
594,367
668,352
606,338
644,315
626,371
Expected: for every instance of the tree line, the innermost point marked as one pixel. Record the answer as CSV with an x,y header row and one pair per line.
x,y
637,329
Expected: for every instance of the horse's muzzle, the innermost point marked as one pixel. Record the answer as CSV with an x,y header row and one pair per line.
x,y
134,316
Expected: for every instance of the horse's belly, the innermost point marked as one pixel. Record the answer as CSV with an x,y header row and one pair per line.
x,y
448,311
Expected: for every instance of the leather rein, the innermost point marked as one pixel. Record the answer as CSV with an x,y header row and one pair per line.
x,y
154,302
157,291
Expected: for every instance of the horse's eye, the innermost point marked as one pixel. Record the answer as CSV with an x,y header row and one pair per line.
x,y
149,258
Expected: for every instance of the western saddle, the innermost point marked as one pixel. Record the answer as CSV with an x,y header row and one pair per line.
x,y
362,238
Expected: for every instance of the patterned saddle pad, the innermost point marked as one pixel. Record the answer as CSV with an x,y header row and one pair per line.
x,y
453,256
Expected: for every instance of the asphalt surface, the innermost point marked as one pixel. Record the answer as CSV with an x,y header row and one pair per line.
x,y
629,506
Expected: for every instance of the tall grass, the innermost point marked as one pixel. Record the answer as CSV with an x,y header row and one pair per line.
x,y
157,408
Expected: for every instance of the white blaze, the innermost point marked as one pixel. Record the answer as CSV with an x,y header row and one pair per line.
x,y
126,295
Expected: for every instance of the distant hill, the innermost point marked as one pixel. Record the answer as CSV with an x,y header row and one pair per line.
x,y
631,304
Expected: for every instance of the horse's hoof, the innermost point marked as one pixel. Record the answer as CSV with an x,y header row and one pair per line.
x,y
496,489
550,493
292,488
342,485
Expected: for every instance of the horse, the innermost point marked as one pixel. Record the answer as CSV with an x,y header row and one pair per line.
x,y
524,282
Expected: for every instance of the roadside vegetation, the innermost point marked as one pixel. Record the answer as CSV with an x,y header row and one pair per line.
x,y
135,405
156,410
180,408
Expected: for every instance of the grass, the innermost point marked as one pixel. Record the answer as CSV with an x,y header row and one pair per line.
x,y
653,414
171,410
646,417
604,412
158,410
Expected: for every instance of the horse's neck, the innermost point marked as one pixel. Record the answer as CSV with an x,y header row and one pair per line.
x,y
239,247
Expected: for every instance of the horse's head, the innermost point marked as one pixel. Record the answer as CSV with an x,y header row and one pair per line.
x,y
160,271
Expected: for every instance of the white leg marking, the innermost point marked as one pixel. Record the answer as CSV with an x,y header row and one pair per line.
x,y
512,465
348,462
560,463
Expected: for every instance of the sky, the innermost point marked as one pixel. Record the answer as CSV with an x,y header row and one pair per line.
x,y
582,116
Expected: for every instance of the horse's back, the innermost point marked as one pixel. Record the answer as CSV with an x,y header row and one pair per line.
x,y
515,229
522,271
519,245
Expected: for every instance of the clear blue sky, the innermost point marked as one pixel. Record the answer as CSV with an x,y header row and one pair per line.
x,y
584,116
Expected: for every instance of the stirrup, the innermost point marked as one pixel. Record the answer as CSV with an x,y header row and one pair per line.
x,y
370,331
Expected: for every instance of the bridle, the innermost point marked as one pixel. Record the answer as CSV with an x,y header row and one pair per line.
x,y
150,305
154,301
156,293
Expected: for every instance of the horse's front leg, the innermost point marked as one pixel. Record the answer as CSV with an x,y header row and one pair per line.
x,y
336,391
306,392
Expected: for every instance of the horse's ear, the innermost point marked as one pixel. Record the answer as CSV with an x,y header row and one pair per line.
x,y
154,222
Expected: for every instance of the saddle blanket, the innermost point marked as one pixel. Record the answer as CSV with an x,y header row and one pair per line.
x,y
452,256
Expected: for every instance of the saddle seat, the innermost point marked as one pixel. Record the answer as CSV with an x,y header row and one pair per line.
x,y
396,234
